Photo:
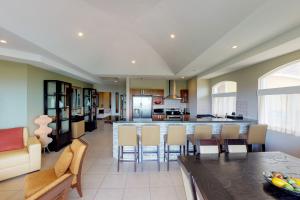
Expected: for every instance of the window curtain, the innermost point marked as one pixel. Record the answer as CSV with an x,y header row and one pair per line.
x,y
223,105
281,112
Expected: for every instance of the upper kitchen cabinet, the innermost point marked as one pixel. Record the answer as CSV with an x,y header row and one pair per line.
x,y
135,92
184,95
152,92
158,92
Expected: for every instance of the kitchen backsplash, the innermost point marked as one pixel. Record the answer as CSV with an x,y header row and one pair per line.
x,y
170,103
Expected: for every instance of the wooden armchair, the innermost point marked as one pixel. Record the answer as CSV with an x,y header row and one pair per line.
x,y
55,182
57,190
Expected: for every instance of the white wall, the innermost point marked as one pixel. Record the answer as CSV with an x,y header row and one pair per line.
x,y
247,100
121,89
203,96
192,87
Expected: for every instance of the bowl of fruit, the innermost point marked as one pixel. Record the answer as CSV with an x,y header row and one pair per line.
x,y
289,184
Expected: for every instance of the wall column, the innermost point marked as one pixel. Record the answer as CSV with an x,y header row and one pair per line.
x,y
127,97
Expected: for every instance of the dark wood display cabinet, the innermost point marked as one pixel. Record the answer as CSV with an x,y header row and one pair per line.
x,y
90,108
57,105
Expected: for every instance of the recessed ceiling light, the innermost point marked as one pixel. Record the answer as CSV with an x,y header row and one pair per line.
x,y
80,34
182,77
172,36
235,46
3,41
133,62
115,81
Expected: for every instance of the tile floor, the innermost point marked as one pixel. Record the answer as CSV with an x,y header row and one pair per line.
x,y
101,181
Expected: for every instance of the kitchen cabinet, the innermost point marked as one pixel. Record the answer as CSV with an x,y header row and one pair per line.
x,y
158,117
153,92
184,95
158,92
186,117
134,92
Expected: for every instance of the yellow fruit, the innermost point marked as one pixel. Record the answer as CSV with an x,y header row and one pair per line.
x,y
279,182
297,181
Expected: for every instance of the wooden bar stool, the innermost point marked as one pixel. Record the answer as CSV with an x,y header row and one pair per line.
x,y
176,136
229,131
257,135
150,137
202,132
128,137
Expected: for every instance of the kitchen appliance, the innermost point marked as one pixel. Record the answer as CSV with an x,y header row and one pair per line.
x,y
172,91
142,107
173,115
158,111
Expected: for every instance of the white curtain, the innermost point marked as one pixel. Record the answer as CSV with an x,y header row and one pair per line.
x,y
223,105
281,112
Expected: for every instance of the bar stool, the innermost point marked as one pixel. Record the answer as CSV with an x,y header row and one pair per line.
x,y
176,136
229,131
128,137
257,135
202,132
150,137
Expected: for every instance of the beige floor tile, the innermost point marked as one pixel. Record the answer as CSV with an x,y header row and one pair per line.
x,y
137,194
16,183
114,181
180,192
138,180
163,193
100,179
88,194
160,179
12,195
176,178
92,181
109,194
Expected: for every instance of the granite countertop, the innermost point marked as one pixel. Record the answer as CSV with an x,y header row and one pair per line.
x,y
195,120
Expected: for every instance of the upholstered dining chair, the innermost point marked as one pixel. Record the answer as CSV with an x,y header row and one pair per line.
x,y
257,135
235,145
201,132
69,164
209,146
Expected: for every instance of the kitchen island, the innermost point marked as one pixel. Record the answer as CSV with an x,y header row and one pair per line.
x,y
190,127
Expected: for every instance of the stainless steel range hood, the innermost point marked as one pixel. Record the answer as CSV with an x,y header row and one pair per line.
x,y
172,91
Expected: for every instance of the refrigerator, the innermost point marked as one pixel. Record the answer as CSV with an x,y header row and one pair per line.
x,y
141,108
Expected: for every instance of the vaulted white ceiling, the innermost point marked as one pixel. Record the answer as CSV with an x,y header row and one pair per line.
x,y
116,32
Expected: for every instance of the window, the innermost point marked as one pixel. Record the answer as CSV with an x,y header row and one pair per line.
x,y
279,99
224,98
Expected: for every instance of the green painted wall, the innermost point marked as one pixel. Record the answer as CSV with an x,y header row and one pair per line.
x,y
21,93
13,94
35,92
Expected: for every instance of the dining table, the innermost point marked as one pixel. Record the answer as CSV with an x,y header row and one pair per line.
x,y
239,176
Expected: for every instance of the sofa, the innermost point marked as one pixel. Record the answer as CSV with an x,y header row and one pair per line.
x,y
18,159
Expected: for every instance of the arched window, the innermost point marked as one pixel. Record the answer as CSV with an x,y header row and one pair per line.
x,y
224,98
279,99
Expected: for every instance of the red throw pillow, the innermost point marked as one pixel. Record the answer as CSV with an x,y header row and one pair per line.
x,y
11,139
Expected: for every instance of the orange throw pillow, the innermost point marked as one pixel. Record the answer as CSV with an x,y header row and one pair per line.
x,y
11,139
63,162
